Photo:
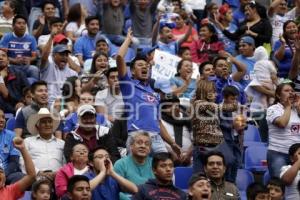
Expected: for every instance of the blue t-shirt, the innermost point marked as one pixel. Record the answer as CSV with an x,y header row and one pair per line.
x,y
72,122
109,189
229,45
238,17
249,62
7,148
171,47
190,91
18,46
85,46
141,104
284,65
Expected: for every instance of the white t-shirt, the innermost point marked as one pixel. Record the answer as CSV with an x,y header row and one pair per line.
x,y
77,31
280,139
291,191
55,78
43,39
277,22
80,171
114,104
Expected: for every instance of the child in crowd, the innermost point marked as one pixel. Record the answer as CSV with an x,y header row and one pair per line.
x,y
257,191
41,190
276,189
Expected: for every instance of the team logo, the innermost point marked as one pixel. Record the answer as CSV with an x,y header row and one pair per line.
x,y
26,46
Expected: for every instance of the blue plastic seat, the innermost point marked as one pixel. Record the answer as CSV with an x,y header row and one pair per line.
x,y
255,156
243,179
251,135
10,124
182,176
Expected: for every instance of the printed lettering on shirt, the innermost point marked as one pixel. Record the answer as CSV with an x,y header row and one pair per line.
x,y
295,129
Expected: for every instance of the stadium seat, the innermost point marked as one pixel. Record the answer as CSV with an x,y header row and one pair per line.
x,y
182,176
251,135
255,158
10,124
243,179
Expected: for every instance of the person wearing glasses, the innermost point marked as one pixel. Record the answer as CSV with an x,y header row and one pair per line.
x,y
104,181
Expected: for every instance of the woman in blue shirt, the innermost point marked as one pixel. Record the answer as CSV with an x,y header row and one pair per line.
x,y
284,48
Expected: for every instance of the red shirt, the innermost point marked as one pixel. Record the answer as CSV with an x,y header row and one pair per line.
x,y
179,33
91,143
11,192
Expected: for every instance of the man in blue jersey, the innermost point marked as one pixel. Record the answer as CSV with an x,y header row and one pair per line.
x,y
141,101
21,48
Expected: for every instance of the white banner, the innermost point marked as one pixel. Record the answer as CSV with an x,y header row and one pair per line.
x,y
165,66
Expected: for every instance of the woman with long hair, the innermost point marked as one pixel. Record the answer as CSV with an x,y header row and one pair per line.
x,y
208,45
284,48
283,122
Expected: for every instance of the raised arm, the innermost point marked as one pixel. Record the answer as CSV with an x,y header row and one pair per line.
x,y
296,60
240,67
121,65
289,176
47,49
27,180
273,7
187,34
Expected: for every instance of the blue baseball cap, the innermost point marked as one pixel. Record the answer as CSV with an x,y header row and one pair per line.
x,y
248,40
60,48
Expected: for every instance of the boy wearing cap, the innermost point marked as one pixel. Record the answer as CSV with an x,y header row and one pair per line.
x,y
290,174
45,149
55,69
90,133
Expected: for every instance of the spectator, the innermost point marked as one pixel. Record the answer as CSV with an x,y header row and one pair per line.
x,y
133,166
210,11
9,9
56,26
199,187
162,186
284,48
254,25
41,190
25,100
105,182
208,45
239,13
92,7
39,93
142,93
46,150
11,84
276,189
41,25
84,47
90,134
206,70
172,6
21,48
79,188
78,165
290,175
224,78
178,124
282,120
246,53
72,120
257,191
181,29
182,84
9,156
97,79
69,102
277,15
294,71
166,42
16,190
225,18
76,26
110,102
113,11
215,167
184,53
56,69
207,134
141,14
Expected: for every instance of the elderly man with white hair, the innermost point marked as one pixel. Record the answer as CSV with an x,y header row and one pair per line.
x,y
45,149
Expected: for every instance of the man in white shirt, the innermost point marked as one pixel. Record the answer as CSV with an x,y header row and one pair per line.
x,y
46,151
290,173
